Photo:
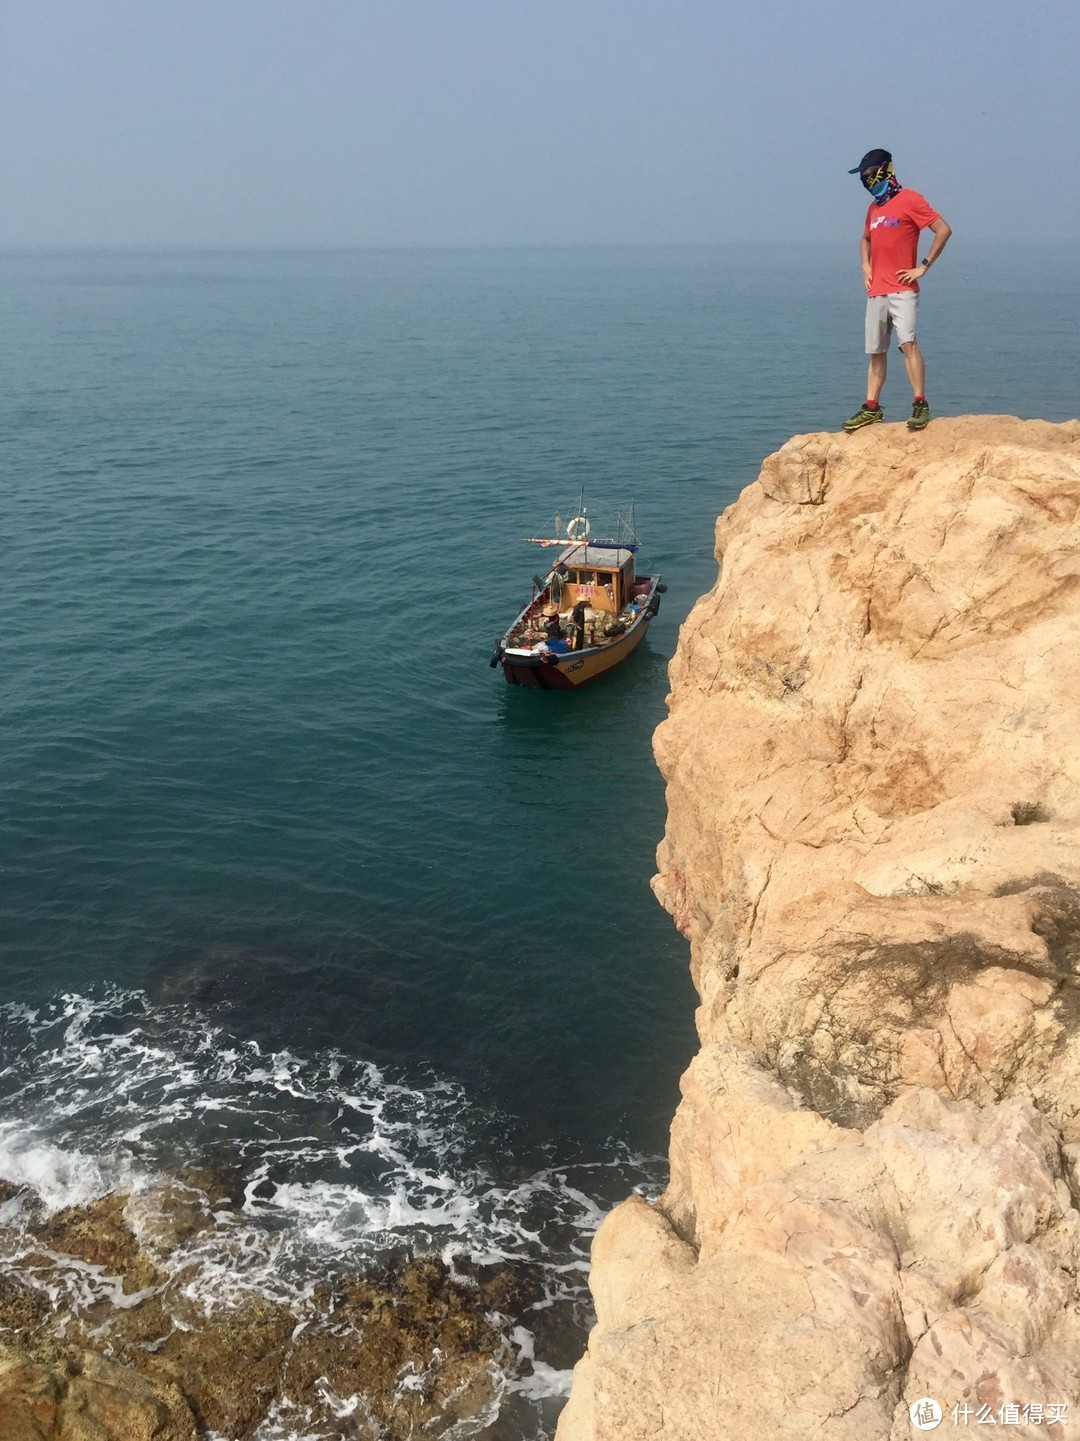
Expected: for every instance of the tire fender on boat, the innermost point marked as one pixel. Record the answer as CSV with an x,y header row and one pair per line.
x,y
496,655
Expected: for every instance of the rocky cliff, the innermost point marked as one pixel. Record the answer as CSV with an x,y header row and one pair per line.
x,y
873,845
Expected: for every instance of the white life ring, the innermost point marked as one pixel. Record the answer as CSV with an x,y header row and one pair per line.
x,y
578,528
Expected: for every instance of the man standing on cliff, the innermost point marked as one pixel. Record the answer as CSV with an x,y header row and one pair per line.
x,y
889,250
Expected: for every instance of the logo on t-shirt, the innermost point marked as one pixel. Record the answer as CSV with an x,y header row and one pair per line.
x,y
892,221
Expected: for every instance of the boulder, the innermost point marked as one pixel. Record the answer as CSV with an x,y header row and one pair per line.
x,y
66,1394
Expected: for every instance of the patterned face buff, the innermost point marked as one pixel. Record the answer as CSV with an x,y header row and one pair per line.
x,y
880,181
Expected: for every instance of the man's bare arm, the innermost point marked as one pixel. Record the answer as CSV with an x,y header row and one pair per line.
x,y
941,231
864,254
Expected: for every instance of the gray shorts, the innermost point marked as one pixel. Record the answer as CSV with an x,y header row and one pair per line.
x,y
884,313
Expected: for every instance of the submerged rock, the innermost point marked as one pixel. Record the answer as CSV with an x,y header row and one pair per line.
x,y
410,1350
410,1342
100,1234
228,1367
873,846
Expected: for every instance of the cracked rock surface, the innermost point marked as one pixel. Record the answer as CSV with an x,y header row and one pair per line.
x,y
873,846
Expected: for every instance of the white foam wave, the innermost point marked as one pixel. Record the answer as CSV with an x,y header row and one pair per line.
x,y
532,1378
60,1177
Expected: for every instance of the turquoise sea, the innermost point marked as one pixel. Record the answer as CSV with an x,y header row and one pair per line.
x,y
291,883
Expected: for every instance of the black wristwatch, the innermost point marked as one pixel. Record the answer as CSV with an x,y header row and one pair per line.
x,y
926,263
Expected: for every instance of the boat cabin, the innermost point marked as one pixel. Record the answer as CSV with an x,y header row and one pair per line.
x,y
600,575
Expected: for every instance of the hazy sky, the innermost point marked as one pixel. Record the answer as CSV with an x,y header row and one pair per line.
x,y
445,122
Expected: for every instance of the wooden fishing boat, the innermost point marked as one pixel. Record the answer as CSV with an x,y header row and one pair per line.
x,y
586,616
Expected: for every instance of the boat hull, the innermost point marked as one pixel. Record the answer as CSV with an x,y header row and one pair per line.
x,y
575,668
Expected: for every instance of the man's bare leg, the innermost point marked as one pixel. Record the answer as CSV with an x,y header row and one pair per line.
x,y
915,366
875,375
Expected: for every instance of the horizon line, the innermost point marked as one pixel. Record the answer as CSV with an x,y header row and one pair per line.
x,y
278,247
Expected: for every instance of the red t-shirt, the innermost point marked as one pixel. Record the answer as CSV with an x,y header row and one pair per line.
x,y
893,232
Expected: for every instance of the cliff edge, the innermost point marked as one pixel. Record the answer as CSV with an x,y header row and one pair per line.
x,y
873,845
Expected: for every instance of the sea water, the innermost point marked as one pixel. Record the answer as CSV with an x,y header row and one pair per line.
x,y
291,883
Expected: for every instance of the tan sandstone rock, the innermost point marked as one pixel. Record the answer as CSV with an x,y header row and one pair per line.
x,y
66,1394
873,846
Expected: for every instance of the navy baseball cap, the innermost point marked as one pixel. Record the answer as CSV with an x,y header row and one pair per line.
x,y
870,159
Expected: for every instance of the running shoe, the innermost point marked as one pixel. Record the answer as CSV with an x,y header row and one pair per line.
x,y
920,416
868,415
